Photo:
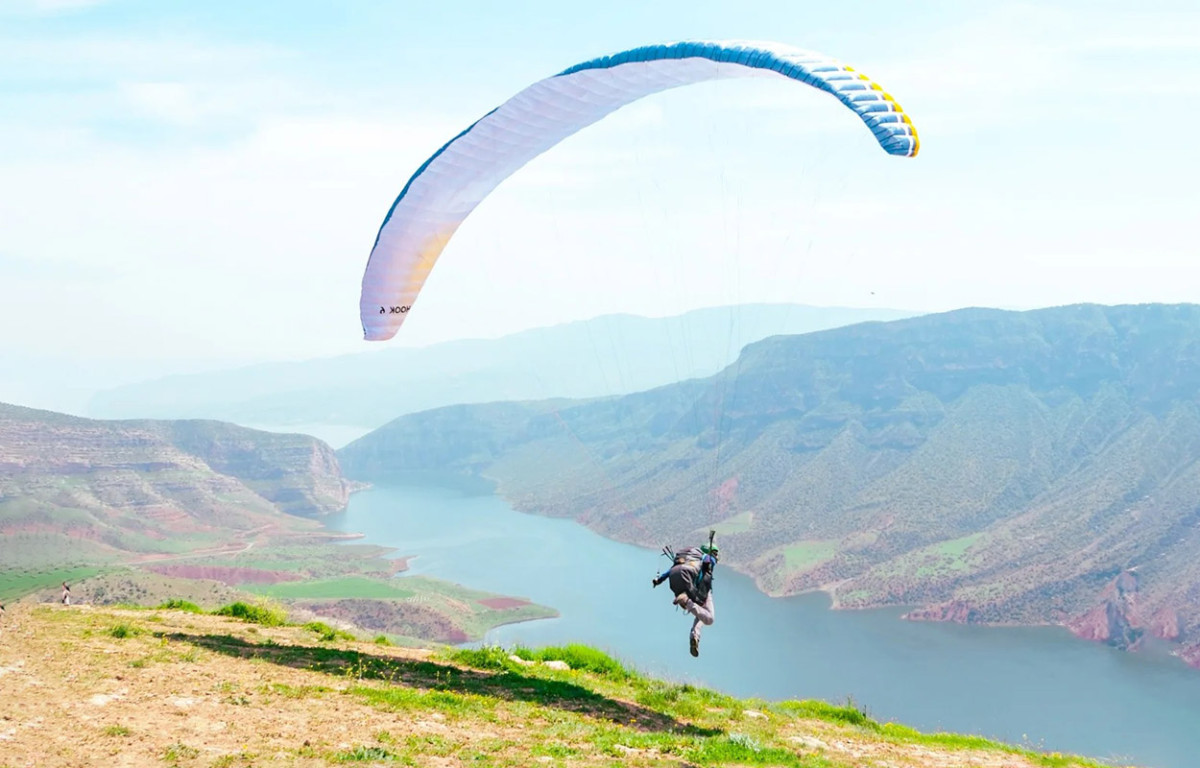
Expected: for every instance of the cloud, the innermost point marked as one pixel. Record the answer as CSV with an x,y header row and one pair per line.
x,y
14,268
1155,43
206,198
45,7
172,102
189,246
95,57
1020,48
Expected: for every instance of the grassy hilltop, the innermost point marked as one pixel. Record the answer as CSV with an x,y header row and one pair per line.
x,y
146,687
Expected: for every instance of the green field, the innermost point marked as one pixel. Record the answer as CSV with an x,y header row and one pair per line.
x,y
320,561
954,549
459,604
364,587
739,523
948,557
332,589
18,583
945,559
475,618
805,555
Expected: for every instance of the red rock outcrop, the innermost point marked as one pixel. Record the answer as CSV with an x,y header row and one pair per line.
x,y
1115,620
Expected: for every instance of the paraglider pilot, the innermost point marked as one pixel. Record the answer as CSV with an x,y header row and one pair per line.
x,y
691,576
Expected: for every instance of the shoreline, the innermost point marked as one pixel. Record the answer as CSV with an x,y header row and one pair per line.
x,y
1188,655
400,570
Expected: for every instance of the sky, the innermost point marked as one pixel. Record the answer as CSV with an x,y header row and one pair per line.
x,y
188,186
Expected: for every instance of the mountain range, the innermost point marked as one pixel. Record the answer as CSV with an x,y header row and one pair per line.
x,y
609,355
981,465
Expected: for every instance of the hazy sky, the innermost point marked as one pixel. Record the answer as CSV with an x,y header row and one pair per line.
x,y
197,183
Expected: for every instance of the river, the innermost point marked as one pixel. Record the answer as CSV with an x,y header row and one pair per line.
x,y
1034,686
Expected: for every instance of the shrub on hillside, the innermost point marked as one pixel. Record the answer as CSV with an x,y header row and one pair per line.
x,y
326,633
266,615
175,604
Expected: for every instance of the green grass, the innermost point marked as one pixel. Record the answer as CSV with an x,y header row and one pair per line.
x,y
700,705
905,735
330,589
805,555
462,606
364,754
683,700
822,710
581,657
740,749
175,544
739,523
459,604
956,548
326,633
324,561
18,583
850,714
943,559
266,615
293,692
122,631
408,699
600,707
578,657
599,710
179,751
488,657
854,596
175,604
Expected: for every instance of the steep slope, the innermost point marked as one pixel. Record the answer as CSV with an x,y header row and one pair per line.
x,y
76,490
604,356
986,465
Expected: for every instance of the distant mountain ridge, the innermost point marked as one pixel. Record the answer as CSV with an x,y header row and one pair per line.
x,y
76,490
991,466
608,355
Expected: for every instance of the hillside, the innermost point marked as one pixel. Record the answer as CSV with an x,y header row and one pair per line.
x,y
169,688
137,511
604,356
80,491
986,466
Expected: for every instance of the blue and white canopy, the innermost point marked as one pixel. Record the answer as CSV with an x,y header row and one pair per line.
x,y
451,183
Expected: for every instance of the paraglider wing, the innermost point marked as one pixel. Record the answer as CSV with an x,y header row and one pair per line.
x,y
451,183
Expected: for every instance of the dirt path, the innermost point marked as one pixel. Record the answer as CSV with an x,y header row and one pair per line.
x,y
228,549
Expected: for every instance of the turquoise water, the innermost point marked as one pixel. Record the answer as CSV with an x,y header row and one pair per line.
x,y
1035,686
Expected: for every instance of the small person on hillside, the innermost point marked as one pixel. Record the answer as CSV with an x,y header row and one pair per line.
x,y
691,577
66,594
